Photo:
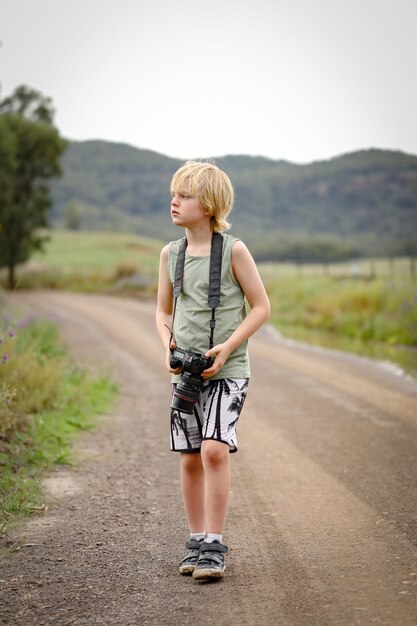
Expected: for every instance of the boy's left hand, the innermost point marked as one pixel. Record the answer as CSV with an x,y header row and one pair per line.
x,y
220,353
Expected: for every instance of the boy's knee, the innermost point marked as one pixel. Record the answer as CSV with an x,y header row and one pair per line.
x,y
191,462
214,453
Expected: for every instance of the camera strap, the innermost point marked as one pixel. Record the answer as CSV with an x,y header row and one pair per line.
x,y
216,253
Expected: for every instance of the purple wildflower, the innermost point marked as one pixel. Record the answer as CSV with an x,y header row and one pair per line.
x,y
27,321
11,333
5,357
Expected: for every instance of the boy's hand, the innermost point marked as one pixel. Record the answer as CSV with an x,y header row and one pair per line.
x,y
168,356
220,353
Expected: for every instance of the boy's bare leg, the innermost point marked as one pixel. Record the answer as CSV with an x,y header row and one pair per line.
x,y
215,461
192,486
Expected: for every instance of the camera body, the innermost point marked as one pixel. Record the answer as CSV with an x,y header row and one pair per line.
x,y
189,361
188,389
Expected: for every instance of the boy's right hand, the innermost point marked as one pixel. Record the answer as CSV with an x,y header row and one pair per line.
x,y
172,345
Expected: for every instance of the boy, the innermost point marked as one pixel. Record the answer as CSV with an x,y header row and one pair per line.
x,y
202,198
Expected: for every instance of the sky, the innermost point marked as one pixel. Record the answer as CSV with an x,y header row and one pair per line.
x,y
301,80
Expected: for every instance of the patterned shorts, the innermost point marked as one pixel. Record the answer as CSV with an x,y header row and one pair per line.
x,y
215,416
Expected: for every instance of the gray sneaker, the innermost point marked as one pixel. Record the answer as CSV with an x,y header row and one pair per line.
x,y
189,562
210,562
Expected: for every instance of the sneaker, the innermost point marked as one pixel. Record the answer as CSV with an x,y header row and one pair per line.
x,y
189,562
210,561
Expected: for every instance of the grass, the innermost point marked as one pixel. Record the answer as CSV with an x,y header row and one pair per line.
x,y
45,401
98,251
371,316
93,262
382,310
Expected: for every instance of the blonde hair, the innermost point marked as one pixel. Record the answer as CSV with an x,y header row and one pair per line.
x,y
213,187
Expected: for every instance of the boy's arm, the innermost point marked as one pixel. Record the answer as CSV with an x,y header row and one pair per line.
x,y
164,306
247,275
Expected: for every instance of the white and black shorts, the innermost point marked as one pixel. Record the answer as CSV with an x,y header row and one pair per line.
x,y
215,416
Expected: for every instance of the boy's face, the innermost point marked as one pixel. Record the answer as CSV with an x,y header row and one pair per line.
x,y
186,210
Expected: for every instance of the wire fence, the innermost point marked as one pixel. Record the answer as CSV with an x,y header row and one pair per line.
x,y
358,269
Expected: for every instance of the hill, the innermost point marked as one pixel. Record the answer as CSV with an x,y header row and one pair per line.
x,y
364,202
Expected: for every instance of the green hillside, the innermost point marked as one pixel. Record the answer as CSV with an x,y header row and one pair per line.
x,y
363,202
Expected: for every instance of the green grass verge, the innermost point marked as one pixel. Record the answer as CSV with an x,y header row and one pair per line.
x,y
45,401
382,310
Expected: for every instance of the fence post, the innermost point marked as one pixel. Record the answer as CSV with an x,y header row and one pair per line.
x,y
392,265
372,268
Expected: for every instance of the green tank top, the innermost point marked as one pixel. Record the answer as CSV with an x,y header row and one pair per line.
x,y
192,318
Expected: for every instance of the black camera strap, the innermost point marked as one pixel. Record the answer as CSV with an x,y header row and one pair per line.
x,y
214,280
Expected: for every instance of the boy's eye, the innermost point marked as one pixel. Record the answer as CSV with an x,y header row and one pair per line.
x,y
180,195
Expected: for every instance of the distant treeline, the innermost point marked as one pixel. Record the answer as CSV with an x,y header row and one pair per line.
x,y
324,249
364,203
312,250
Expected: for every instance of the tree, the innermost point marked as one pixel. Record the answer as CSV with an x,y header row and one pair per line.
x,y
30,149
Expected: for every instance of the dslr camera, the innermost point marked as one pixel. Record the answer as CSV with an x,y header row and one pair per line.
x,y
189,386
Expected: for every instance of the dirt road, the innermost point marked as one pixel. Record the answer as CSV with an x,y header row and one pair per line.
x,y
322,525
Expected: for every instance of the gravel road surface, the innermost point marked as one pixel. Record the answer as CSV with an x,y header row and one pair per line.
x,y
322,522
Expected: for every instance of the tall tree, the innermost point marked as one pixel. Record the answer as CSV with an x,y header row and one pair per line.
x,y
30,149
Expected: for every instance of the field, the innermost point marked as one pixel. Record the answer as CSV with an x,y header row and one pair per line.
x,y
367,306
93,262
371,302
69,251
373,315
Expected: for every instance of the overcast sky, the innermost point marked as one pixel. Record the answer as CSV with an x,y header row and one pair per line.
x,y
301,80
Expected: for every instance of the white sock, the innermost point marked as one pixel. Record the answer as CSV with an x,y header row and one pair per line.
x,y
213,537
198,536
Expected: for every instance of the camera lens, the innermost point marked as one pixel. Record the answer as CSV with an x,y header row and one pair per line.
x,y
184,401
186,394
